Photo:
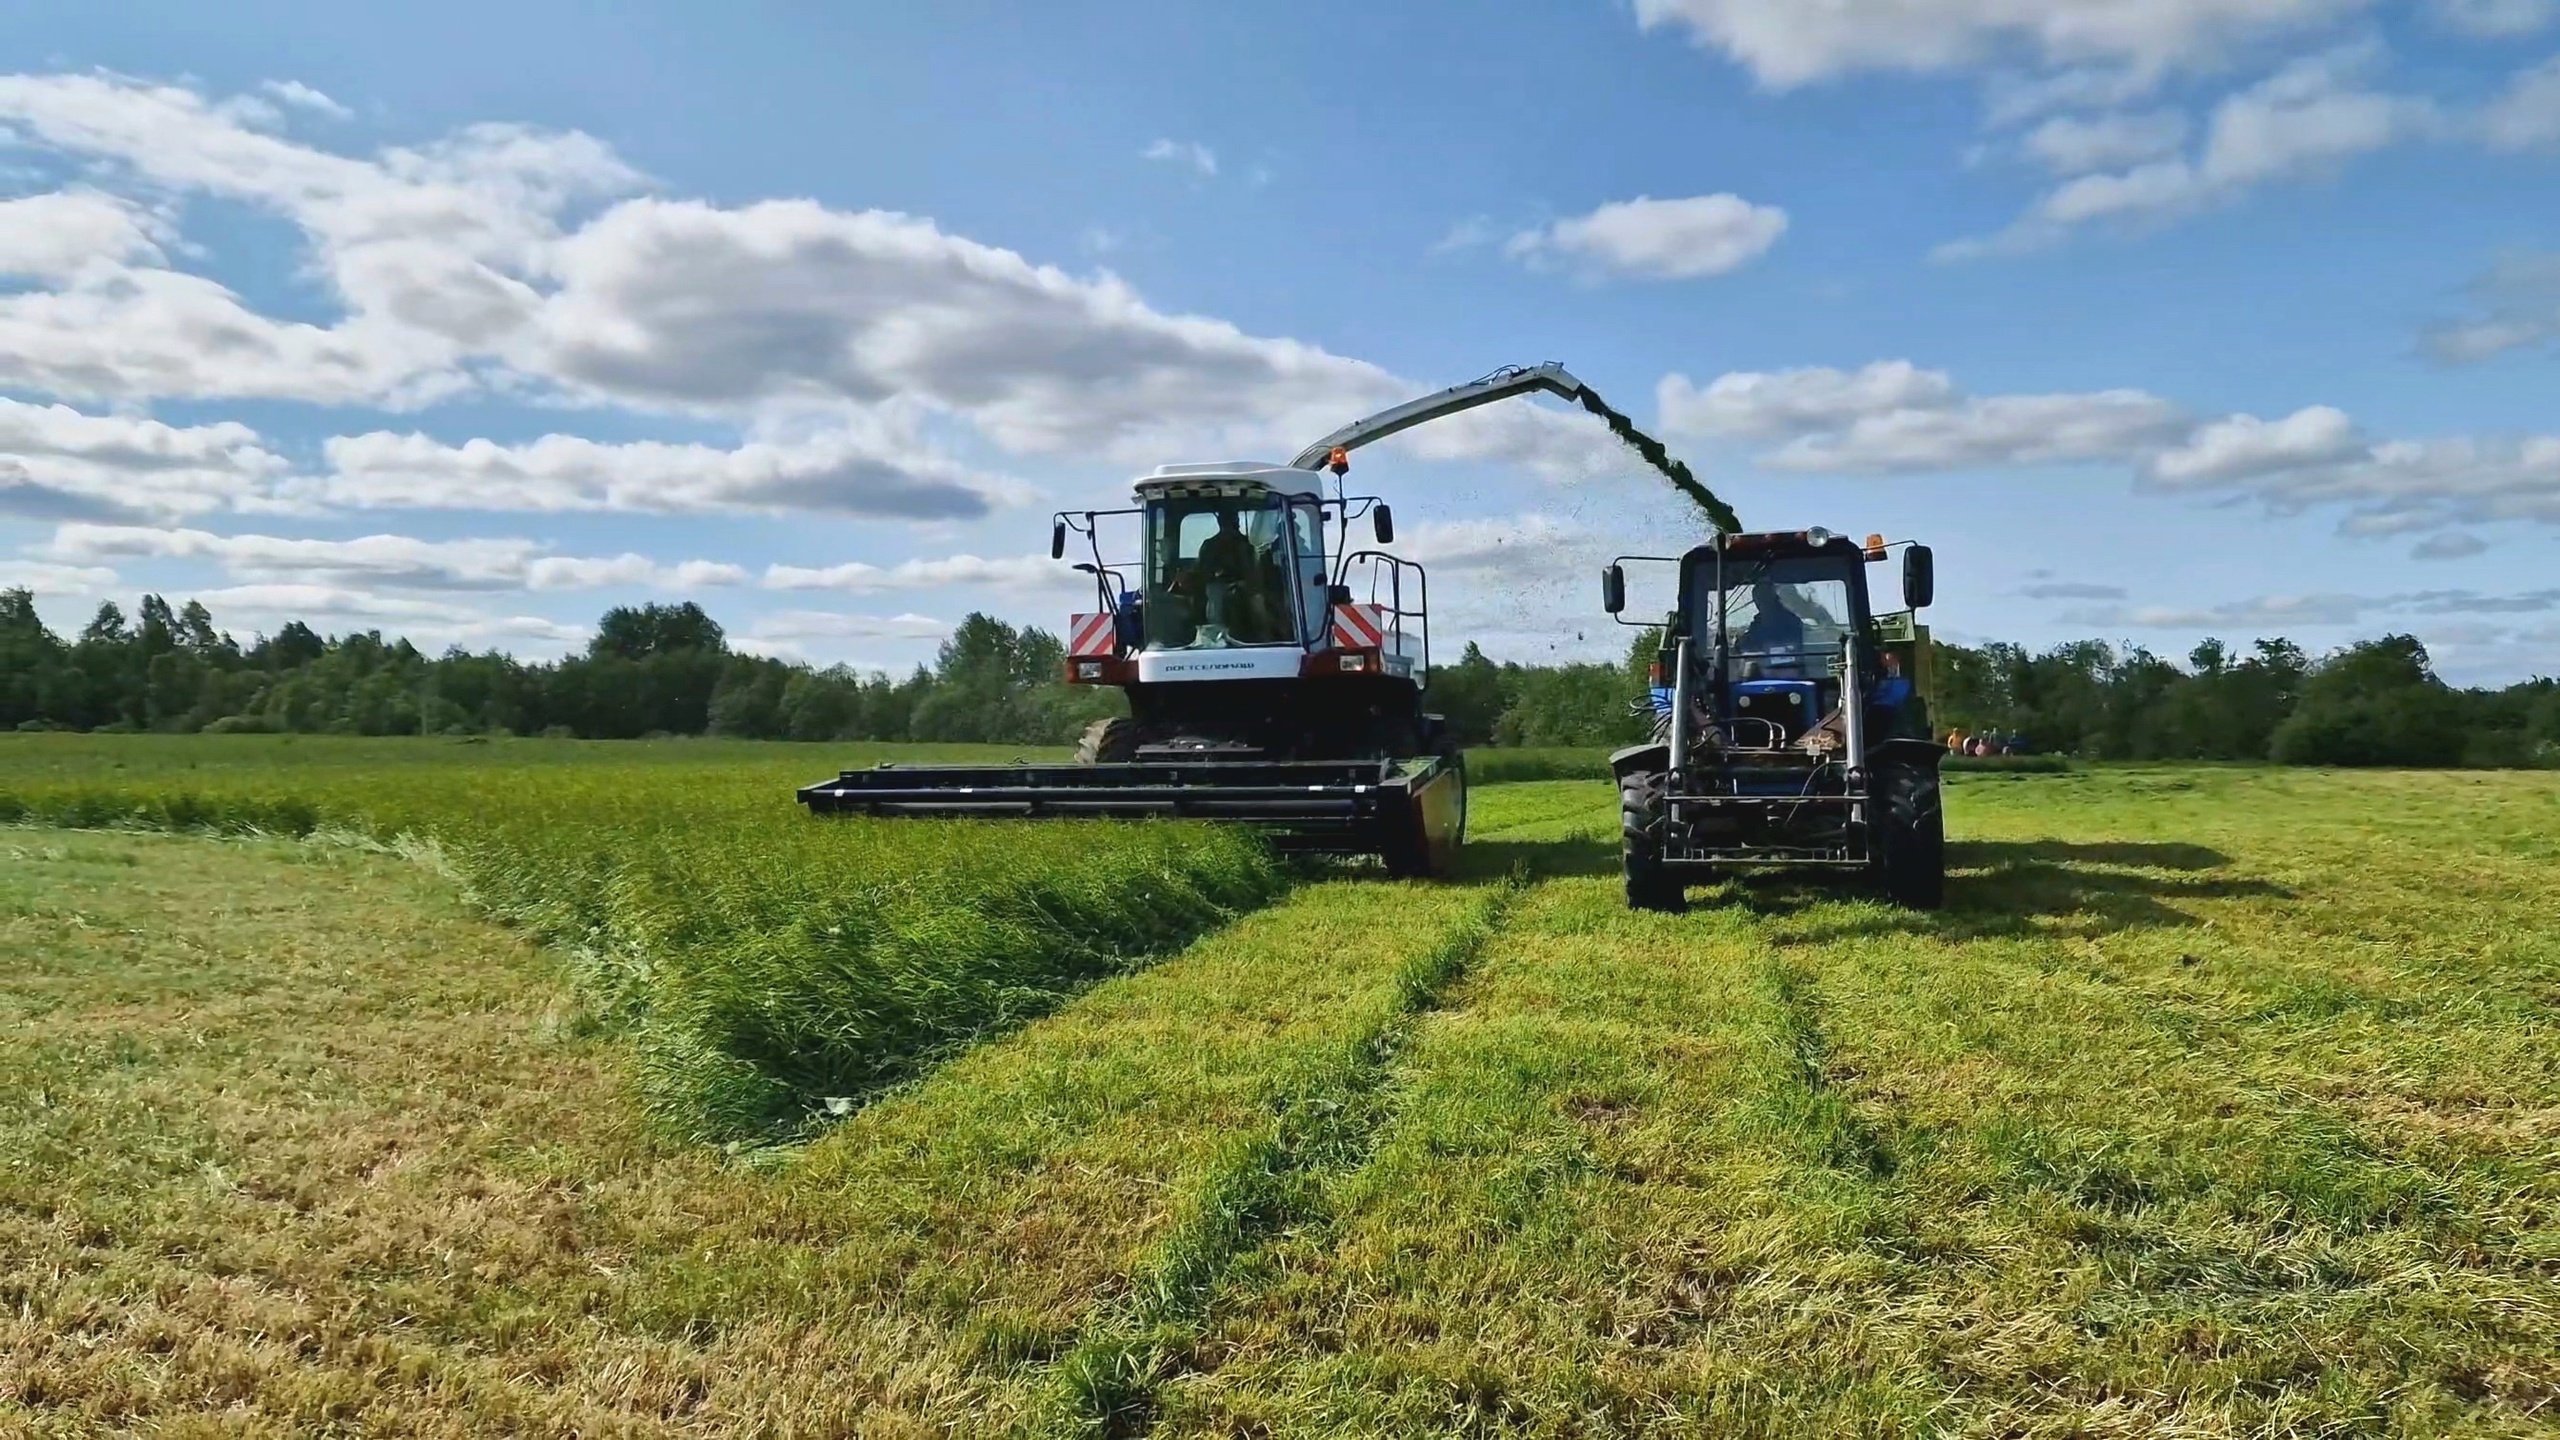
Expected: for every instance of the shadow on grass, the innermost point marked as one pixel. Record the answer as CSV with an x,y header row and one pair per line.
x,y
2000,888
1576,857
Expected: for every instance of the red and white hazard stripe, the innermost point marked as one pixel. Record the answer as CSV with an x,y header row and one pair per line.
x,y
1092,635
1359,627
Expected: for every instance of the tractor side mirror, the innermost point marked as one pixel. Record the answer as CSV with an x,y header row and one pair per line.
x,y
1337,595
1919,576
1613,590
1382,523
1057,539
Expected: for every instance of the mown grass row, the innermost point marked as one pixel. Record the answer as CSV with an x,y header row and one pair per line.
x,y
2232,1113
1323,1116
773,968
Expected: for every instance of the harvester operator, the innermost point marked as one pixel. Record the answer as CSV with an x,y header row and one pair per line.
x,y
1231,567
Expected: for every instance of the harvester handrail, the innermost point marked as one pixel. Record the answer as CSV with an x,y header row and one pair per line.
x,y
1397,614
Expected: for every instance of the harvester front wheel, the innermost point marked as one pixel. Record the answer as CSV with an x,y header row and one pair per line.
x,y
1113,740
1641,796
1912,843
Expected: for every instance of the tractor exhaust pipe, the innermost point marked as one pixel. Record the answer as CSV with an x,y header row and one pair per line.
x,y
1853,720
1680,711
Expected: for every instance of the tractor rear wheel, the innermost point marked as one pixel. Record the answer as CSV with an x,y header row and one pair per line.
x,y
1641,797
1911,840
1113,740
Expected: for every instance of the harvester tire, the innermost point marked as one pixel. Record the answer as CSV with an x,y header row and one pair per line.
x,y
1641,794
1912,842
1110,741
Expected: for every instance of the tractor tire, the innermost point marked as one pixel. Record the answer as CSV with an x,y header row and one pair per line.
x,y
1640,810
1110,741
1911,835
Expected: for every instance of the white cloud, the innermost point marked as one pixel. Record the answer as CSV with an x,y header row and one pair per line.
x,y
2520,307
2527,115
2013,99
55,236
394,561
2241,447
1189,154
1892,417
1988,431
682,305
428,624
1025,573
2303,122
2496,18
429,249
304,97
2071,590
515,263
46,578
868,471
807,634
2403,486
1653,239
58,463
1793,402
1790,42
2078,144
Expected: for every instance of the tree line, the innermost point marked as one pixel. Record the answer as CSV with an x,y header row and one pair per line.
x,y
669,670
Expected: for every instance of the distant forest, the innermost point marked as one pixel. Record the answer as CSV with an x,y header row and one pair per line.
x,y
669,670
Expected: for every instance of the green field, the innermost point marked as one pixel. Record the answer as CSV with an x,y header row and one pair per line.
x,y
546,1088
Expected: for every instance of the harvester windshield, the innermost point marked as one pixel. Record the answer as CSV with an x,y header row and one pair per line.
x,y
1224,570
1780,618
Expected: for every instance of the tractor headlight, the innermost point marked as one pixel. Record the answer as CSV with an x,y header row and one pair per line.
x,y
1355,662
1088,669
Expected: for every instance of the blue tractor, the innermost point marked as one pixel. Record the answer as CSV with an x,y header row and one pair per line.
x,y
1791,723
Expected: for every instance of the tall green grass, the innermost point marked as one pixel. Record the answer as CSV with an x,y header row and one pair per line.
x,y
772,967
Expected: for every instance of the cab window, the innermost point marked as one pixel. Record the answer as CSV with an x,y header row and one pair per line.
x,y
1218,574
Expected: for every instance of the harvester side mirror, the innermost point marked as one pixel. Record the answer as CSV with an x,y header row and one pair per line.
x,y
1337,595
1382,523
1057,540
1919,577
1613,590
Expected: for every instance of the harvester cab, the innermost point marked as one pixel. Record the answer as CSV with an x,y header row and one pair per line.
x,y
1274,669
1256,629
1791,724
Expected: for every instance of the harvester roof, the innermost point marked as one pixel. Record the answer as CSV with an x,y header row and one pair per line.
x,y
1243,478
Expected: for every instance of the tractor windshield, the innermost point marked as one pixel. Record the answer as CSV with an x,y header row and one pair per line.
x,y
1218,573
1782,619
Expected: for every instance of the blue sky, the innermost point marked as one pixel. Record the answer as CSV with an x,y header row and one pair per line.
x,y
2158,318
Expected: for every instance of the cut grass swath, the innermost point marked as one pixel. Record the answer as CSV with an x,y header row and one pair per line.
x,y
773,968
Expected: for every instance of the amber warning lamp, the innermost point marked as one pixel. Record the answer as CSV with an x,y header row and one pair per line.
x,y
1339,462
1875,547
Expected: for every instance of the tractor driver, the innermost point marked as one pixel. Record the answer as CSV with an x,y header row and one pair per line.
x,y
1776,631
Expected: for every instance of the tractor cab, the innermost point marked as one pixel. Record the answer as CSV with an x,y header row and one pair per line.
x,y
1790,720
1772,622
